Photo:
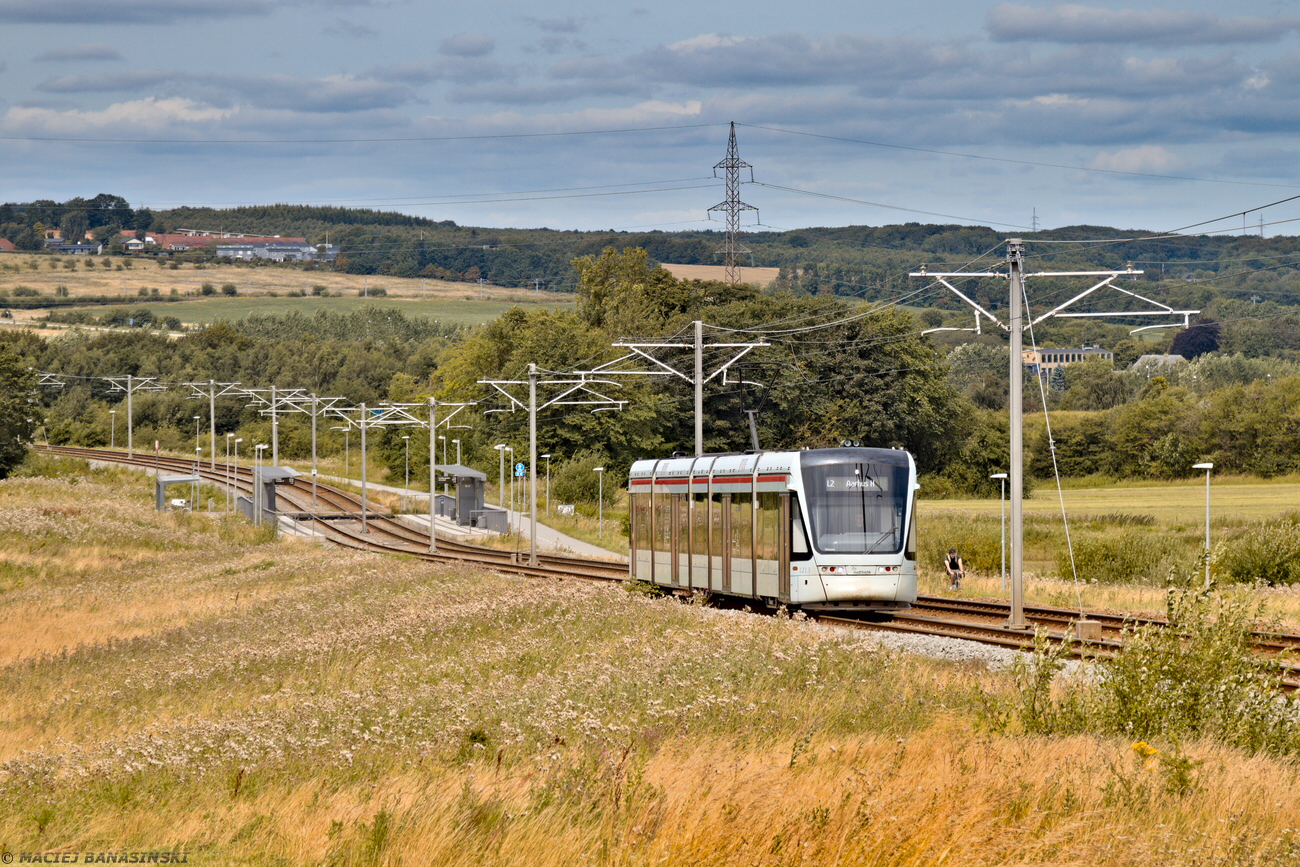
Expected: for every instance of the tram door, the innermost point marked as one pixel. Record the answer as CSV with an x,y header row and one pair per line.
x,y
724,541
699,518
682,540
674,536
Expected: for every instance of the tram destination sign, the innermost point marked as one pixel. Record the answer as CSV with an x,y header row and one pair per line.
x,y
856,483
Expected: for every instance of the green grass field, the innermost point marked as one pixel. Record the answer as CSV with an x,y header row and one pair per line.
x,y
466,310
1183,502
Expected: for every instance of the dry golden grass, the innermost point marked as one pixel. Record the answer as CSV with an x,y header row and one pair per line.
x,y
945,796
187,279
1232,499
758,276
256,702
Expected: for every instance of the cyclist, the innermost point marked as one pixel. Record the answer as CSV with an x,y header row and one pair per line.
x,y
956,570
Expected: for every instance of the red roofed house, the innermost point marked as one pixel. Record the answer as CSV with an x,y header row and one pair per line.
x,y
6,246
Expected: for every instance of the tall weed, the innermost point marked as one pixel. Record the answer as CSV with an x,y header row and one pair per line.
x,y
1122,557
1268,551
1195,678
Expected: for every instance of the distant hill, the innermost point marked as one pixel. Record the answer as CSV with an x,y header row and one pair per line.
x,y
868,262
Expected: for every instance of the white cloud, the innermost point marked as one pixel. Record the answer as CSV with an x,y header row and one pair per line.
x,y
350,29
1147,159
1076,23
467,45
119,12
705,42
117,81
152,115
570,24
87,51
335,93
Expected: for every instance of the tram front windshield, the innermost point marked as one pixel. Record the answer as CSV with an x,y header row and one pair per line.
x,y
856,506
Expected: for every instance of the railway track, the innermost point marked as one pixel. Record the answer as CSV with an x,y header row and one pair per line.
x,y
336,514
340,520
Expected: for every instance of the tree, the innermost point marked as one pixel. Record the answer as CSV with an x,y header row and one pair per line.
x,y
74,225
621,292
1195,341
18,410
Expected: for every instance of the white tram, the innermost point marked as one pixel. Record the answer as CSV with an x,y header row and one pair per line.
x,y
818,529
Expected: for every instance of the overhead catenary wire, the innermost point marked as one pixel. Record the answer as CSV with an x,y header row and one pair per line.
x,y
1012,161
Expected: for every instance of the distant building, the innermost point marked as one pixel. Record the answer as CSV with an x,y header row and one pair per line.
x,y
6,246
280,251
1043,361
1153,364
180,242
86,249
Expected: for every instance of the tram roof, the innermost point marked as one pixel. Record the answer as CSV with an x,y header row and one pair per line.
x,y
774,461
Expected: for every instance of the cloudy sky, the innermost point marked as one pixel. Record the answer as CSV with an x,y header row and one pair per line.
x,y
586,115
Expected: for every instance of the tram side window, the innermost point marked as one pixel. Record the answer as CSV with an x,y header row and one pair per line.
x,y
799,549
769,526
683,506
741,527
716,506
700,523
663,532
641,509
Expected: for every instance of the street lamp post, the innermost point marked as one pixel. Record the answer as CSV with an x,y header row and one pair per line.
x,y
347,432
1207,467
229,437
600,502
197,442
444,461
548,482
501,480
512,487
112,436
235,469
457,442
1003,478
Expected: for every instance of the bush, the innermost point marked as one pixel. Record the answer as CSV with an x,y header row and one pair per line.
x,y
576,481
229,289
977,539
1194,678
1268,552
207,289
319,290
1122,557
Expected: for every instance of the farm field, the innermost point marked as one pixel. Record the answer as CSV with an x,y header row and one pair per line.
x,y
187,278
179,682
459,303
758,276
1181,502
